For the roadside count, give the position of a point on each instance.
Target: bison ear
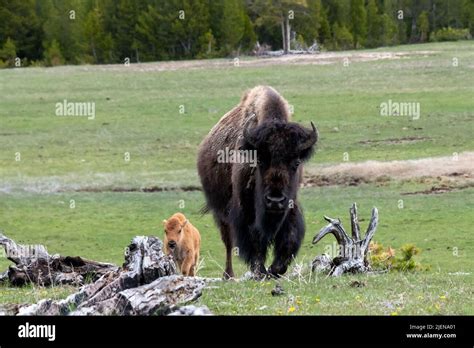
(306, 147)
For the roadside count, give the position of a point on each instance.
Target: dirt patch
(322, 58)
(437, 174)
(444, 170)
(326, 180)
(185, 188)
(395, 141)
(438, 190)
(444, 185)
(432, 190)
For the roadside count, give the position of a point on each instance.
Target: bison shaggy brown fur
(255, 205)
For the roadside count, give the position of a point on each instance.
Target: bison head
(281, 148)
(173, 231)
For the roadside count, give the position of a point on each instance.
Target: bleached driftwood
(159, 297)
(146, 284)
(33, 264)
(191, 311)
(353, 250)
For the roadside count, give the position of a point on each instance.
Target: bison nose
(275, 202)
(171, 244)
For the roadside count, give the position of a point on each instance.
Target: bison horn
(246, 128)
(311, 140)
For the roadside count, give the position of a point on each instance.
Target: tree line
(55, 32)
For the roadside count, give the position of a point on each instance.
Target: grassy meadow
(47, 160)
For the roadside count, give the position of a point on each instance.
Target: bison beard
(256, 207)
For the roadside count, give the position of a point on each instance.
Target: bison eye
(296, 164)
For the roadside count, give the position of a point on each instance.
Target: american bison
(254, 203)
(183, 241)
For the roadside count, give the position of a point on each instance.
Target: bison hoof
(276, 272)
(228, 275)
(250, 275)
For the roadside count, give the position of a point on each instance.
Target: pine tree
(359, 22)
(308, 25)
(343, 39)
(8, 54)
(190, 21)
(423, 26)
(469, 15)
(125, 32)
(98, 42)
(231, 26)
(389, 31)
(62, 21)
(372, 24)
(249, 38)
(53, 55)
(153, 34)
(325, 29)
(20, 23)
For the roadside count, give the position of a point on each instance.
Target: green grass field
(72, 158)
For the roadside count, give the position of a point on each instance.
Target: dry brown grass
(447, 169)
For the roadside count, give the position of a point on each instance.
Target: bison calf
(182, 240)
(250, 170)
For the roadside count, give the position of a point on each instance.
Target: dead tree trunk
(283, 36)
(33, 264)
(146, 284)
(353, 250)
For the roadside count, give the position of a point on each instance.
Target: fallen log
(33, 264)
(353, 251)
(146, 284)
(159, 297)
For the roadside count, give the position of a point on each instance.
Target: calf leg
(187, 267)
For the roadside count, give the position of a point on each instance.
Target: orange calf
(182, 241)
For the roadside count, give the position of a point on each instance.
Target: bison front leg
(251, 242)
(287, 243)
(253, 249)
(257, 265)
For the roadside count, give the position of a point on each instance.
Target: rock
(278, 290)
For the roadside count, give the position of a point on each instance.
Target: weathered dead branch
(146, 284)
(352, 256)
(33, 264)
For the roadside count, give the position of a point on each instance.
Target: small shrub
(37, 63)
(450, 34)
(402, 260)
(53, 55)
(8, 54)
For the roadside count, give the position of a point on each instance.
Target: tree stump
(352, 256)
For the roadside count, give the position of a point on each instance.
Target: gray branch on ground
(353, 251)
(146, 284)
(33, 264)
